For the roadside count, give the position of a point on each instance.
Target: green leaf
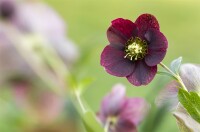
(90, 122)
(84, 83)
(175, 65)
(166, 74)
(191, 102)
(79, 86)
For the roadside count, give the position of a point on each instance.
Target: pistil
(135, 49)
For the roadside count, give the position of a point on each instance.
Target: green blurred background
(88, 21)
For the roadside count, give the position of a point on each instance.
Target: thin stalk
(106, 128)
(80, 102)
(178, 78)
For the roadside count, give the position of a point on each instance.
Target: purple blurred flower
(39, 102)
(190, 74)
(12, 63)
(135, 49)
(31, 18)
(119, 113)
(37, 17)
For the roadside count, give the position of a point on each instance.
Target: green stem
(178, 78)
(80, 102)
(106, 128)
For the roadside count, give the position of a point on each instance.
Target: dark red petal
(110, 55)
(116, 38)
(125, 126)
(142, 74)
(156, 40)
(157, 47)
(114, 62)
(125, 27)
(146, 21)
(121, 69)
(154, 57)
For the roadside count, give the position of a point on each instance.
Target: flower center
(111, 123)
(135, 49)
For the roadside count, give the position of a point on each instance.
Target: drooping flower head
(122, 114)
(135, 49)
(190, 74)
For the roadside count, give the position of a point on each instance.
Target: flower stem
(80, 103)
(178, 78)
(106, 128)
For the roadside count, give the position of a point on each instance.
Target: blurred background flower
(121, 114)
(169, 96)
(24, 24)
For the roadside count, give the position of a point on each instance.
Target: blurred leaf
(84, 83)
(175, 65)
(166, 73)
(191, 102)
(184, 121)
(79, 86)
(90, 122)
(182, 126)
(72, 82)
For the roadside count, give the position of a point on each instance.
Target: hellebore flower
(190, 74)
(135, 49)
(122, 114)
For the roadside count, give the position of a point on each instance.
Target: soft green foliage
(191, 102)
(79, 85)
(84, 84)
(90, 122)
(166, 74)
(175, 65)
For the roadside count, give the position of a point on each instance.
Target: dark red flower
(135, 49)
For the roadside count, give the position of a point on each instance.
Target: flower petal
(110, 55)
(116, 38)
(121, 69)
(190, 74)
(126, 27)
(125, 126)
(142, 74)
(134, 109)
(114, 62)
(156, 40)
(157, 47)
(168, 96)
(113, 102)
(145, 22)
